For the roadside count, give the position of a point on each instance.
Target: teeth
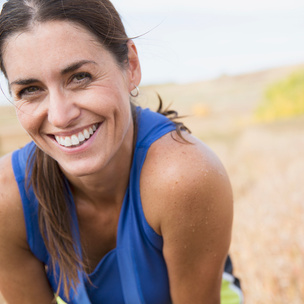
(68, 142)
(76, 139)
(81, 138)
(86, 134)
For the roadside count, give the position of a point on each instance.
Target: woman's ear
(134, 70)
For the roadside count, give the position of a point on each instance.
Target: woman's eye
(82, 76)
(28, 91)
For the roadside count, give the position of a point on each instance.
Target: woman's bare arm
(22, 276)
(191, 207)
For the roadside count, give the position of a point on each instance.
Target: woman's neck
(107, 186)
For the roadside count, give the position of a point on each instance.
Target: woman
(110, 203)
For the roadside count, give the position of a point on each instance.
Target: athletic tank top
(135, 271)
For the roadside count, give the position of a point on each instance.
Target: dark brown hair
(100, 18)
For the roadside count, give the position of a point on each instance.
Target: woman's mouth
(77, 139)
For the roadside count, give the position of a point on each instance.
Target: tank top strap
(151, 126)
(20, 159)
(137, 241)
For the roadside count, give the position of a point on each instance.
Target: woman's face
(70, 94)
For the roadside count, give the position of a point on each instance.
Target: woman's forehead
(50, 43)
(49, 29)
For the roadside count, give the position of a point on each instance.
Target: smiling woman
(107, 196)
(67, 95)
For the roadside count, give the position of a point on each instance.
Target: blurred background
(195, 40)
(236, 70)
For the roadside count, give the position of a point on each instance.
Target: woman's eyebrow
(71, 68)
(24, 81)
(75, 66)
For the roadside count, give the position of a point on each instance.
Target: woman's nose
(62, 111)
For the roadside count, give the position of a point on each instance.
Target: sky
(194, 40)
(216, 5)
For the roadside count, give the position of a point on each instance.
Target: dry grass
(265, 164)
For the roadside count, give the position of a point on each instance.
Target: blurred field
(265, 163)
(283, 99)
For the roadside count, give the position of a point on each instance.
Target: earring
(136, 93)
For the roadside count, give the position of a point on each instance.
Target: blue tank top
(135, 271)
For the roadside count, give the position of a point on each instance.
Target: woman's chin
(78, 170)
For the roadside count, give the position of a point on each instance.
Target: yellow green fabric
(60, 301)
(230, 294)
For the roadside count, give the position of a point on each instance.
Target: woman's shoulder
(172, 159)
(178, 175)
(19, 268)
(11, 213)
(8, 186)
